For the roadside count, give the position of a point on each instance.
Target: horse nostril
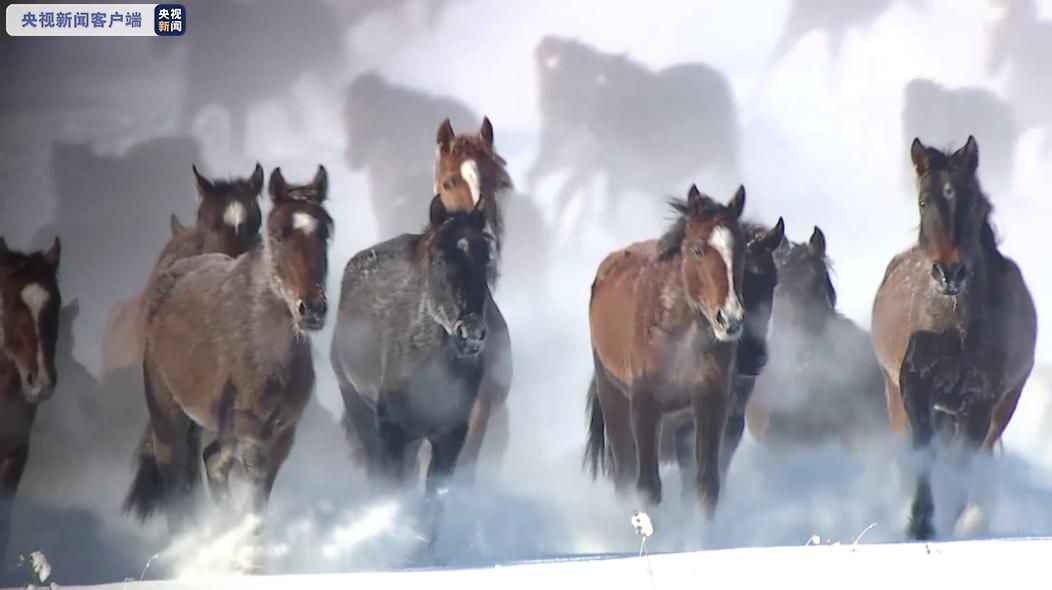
(301, 308)
(936, 272)
(322, 307)
(482, 333)
(721, 318)
(31, 378)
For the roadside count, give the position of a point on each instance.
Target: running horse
(470, 175)
(954, 325)
(228, 221)
(29, 315)
(409, 346)
(665, 318)
(227, 350)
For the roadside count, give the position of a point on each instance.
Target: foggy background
(97, 137)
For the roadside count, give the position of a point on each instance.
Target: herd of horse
(717, 325)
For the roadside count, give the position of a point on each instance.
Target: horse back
(122, 343)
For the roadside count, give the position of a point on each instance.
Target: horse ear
(321, 183)
(277, 187)
(486, 131)
(204, 186)
(737, 204)
(445, 135)
(693, 194)
(774, 236)
(817, 243)
(54, 253)
(968, 156)
(257, 179)
(919, 155)
(177, 226)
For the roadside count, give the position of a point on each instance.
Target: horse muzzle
(469, 336)
(312, 313)
(728, 327)
(949, 278)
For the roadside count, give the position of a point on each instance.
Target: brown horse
(665, 319)
(758, 288)
(227, 351)
(823, 381)
(228, 221)
(954, 326)
(29, 314)
(469, 175)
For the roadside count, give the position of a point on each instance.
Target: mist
(97, 138)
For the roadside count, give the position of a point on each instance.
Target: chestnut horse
(29, 314)
(228, 221)
(227, 351)
(823, 381)
(665, 318)
(469, 175)
(954, 325)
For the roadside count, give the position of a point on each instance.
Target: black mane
(672, 240)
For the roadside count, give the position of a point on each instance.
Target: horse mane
(788, 251)
(672, 240)
(438, 236)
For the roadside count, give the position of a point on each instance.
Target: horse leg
(916, 397)
(615, 409)
(646, 420)
(710, 418)
(359, 424)
(262, 461)
(219, 458)
(686, 461)
(893, 400)
(1001, 415)
(394, 440)
(735, 428)
(175, 442)
(11, 469)
(445, 451)
(493, 389)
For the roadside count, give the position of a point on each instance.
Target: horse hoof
(921, 530)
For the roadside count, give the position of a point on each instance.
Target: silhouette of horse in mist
(835, 19)
(1020, 44)
(599, 117)
(954, 325)
(823, 381)
(105, 262)
(665, 318)
(228, 352)
(228, 222)
(235, 48)
(939, 113)
(390, 139)
(409, 345)
(29, 314)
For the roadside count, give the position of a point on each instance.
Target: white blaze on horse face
(36, 297)
(234, 215)
(722, 240)
(305, 222)
(948, 192)
(469, 171)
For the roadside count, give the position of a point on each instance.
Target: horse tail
(147, 492)
(595, 453)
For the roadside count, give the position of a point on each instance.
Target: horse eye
(923, 202)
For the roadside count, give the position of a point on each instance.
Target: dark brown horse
(227, 351)
(469, 175)
(228, 222)
(954, 326)
(29, 314)
(823, 381)
(665, 319)
(410, 340)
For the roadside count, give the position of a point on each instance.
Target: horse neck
(256, 268)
